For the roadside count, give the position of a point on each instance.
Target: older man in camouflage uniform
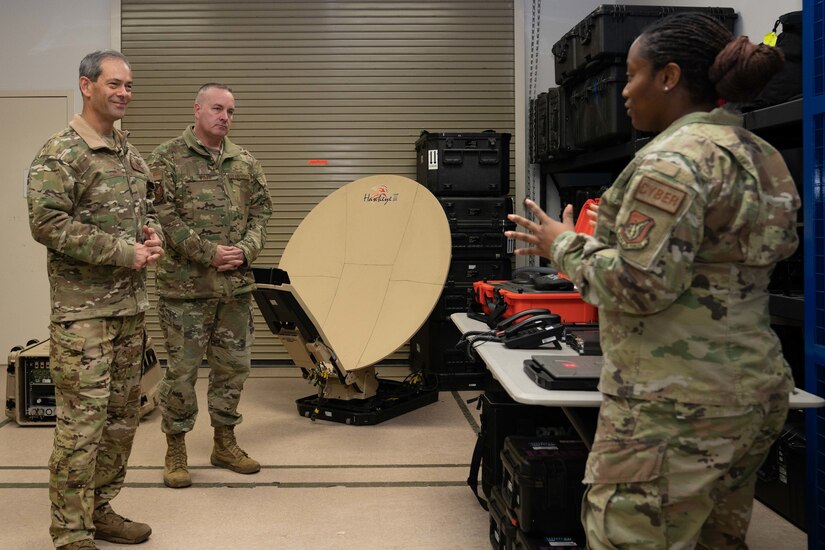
(89, 199)
(696, 386)
(214, 204)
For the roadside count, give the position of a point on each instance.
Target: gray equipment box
(30, 399)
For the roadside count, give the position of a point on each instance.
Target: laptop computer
(554, 372)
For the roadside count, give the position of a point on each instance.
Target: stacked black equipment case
(502, 530)
(464, 164)
(780, 482)
(542, 484)
(502, 417)
(470, 175)
(586, 110)
(551, 129)
(530, 462)
(607, 32)
(538, 503)
(526, 542)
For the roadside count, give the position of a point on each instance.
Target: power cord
(470, 340)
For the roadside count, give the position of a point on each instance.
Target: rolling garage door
(326, 91)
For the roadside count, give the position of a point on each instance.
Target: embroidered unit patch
(633, 234)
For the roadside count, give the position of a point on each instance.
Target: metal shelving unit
(813, 127)
(776, 122)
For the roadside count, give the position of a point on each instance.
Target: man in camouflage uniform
(213, 202)
(89, 197)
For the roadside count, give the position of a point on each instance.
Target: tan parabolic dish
(370, 261)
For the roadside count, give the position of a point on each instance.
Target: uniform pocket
(64, 338)
(627, 461)
(65, 356)
(622, 506)
(203, 199)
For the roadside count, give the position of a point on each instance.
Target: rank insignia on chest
(634, 232)
(155, 191)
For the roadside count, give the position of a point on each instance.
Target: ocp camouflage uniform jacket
(201, 203)
(88, 204)
(679, 266)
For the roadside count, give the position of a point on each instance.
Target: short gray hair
(90, 65)
(209, 86)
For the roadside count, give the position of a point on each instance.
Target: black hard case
(551, 128)
(502, 417)
(432, 349)
(542, 483)
(598, 114)
(454, 299)
(564, 56)
(609, 30)
(560, 143)
(464, 163)
(780, 483)
(465, 272)
(477, 226)
(502, 530)
(393, 398)
(477, 212)
(540, 127)
(481, 244)
(535, 542)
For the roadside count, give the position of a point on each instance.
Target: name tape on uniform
(660, 194)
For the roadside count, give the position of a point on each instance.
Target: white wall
(43, 42)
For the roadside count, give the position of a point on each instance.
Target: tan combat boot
(85, 544)
(113, 527)
(227, 454)
(175, 472)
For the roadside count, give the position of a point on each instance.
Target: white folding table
(507, 366)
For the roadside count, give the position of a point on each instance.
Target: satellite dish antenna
(366, 267)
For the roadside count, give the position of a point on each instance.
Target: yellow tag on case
(770, 39)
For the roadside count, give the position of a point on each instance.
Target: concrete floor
(323, 485)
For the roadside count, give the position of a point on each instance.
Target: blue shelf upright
(814, 236)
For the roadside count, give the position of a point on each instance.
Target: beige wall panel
(28, 121)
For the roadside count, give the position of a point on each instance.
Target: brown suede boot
(113, 527)
(227, 454)
(175, 472)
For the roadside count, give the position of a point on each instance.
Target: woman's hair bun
(742, 69)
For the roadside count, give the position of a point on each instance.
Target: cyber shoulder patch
(633, 234)
(659, 194)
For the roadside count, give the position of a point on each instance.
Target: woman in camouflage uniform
(695, 385)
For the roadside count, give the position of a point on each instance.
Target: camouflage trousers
(95, 365)
(220, 328)
(675, 476)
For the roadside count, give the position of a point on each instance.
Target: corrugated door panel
(350, 84)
